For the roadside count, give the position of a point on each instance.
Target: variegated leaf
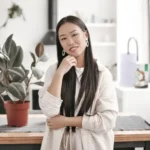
(2, 64)
(34, 60)
(7, 46)
(12, 53)
(13, 98)
(40, 83)
(37, 73)
(17, 74)
(2, 88)
(43, 58)
(18, 57)
(17, 90)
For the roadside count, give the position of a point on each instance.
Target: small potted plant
(13, 12)
(15, 80)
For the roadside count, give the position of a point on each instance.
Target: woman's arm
(50, 95)
(74, 121)
(106, 110)
(60, 121)
(66, 64)
(55, 87)
(49, 104)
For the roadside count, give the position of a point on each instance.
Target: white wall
(26, 33)
(132, 21)
(102, 9)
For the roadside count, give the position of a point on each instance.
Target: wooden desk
(124, 140)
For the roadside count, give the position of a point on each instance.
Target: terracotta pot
(17, 114)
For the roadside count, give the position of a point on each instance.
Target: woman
(78, 96)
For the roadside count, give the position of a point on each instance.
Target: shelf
(103, 44)
(101, 24)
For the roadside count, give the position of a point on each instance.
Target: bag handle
(137, 49)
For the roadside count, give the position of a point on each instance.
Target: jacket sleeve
(49, 104)
(106, 108)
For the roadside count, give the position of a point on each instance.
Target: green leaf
(43, 58)
(34, 60)
(26, 74)
(4, 59)
(2, 64)
(17, 74)
(1, 75)
(25, 70)
(12, 53)
(4, 79)
(13, 98)
(15, 54)
(4, 56)
(40, 83)
(18, 57)
(7, 45)
(37, 73)
(17, 90)
(2, 88)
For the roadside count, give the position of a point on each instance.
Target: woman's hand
(66, 64)
(56, 122)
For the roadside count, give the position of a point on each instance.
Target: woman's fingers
(48, 120)
(66, 64)
(72, 61)
(70, 57)
(50, 125)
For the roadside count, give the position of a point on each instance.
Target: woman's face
(72, 39)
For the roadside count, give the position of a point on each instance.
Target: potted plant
(15, 80)
(13, 12)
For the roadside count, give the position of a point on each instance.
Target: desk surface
(36, 138)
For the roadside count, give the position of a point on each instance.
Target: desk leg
(147, 145)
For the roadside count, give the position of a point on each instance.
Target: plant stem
(30, 77)
(28, 84)
(29, 80)
(1, 97)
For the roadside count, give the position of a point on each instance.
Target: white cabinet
(103, 39)
(133, 100)
(106, 36)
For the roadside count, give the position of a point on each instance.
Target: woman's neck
(80, 62)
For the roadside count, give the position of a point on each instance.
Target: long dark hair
(89, 79)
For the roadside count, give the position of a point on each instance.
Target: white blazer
(97, 130)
